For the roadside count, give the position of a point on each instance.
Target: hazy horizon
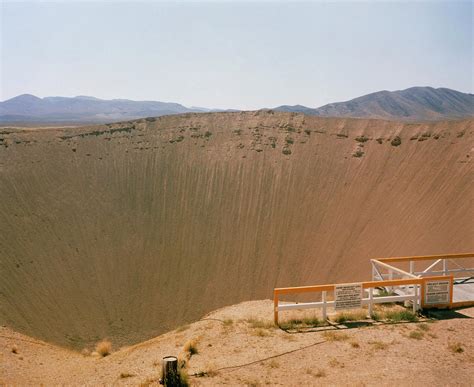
(242, 55)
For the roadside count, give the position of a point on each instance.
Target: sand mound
(128, 230)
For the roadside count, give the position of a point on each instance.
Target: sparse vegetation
(286, 151)
(257, 323)
(456, 347)
(396, 141)
(342, 135)
(358, 153)
(14, 349)
(460, 134)
(355, 344)
(417, 335)
(191, 348)
(400, 315)
(361, 138)
(335, 336)
(380, 140)
(379, 345)
(345, 316)
(289, 140)
(207, 134)
(308, 132)
(104, 348)
(274, 364)
(125, 375)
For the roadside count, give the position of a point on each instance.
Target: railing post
(415, 300)
(371, 297)
(275, 306)
(412, 267)
(445, 267)
(390, 277)
(324, 306)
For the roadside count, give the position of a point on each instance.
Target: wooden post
(325, 315)
(371, 298)
(275, 307)
(170, 377)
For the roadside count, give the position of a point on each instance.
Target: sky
(229, 54)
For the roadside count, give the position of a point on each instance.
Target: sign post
(348, 296)
(437, 292)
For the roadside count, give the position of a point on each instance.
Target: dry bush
(379, 344)
(417, 335)
(191, 348)
(104, 348)
(14, 349)
(228, 322)
(423, 327)
(274, 364)
(125, 375)
(257, 323)
(456, 347)
(335, 336)
(355, 344)
(261, 332)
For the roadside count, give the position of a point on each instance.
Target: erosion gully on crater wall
(127, 230)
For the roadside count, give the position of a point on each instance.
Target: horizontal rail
(365, 285)
(426, 257)
(365, 301)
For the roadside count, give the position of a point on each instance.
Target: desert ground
(126, 231)
(238, 345)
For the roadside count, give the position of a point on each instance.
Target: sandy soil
(126, 231)
(232, 351)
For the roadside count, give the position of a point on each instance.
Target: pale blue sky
(243, 55)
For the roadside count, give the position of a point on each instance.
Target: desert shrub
(380, 140)
(342, 135)
(238, 132)
(104, 348)
(426, 135)
(355, 344)
(460, 134)
(417, 335)
(228, 322)
(415, 137)
(257, 323)
(286, 151)
(358, 153)
(361, 138)
(207, 134)
(308, 132)
(456, 347)
(150, 119)
(423, 327)
(14, 349)
(396, 141)
(191, 347)
(125, 375)
(335, 336)
(378, 344)
(289, 140)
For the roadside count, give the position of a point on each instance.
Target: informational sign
(348, 296)
(437, 292)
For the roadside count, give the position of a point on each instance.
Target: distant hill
(416, 103)
(28, 108)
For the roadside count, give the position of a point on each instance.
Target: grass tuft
(417, 335)
(191, 348)
(335, 336)
(456, 347)
(104, 348)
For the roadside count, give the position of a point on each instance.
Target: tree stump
(170, 377)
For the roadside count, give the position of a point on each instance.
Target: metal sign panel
(437, 292)
(348, 296)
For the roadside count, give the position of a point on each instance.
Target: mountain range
(413, 104)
